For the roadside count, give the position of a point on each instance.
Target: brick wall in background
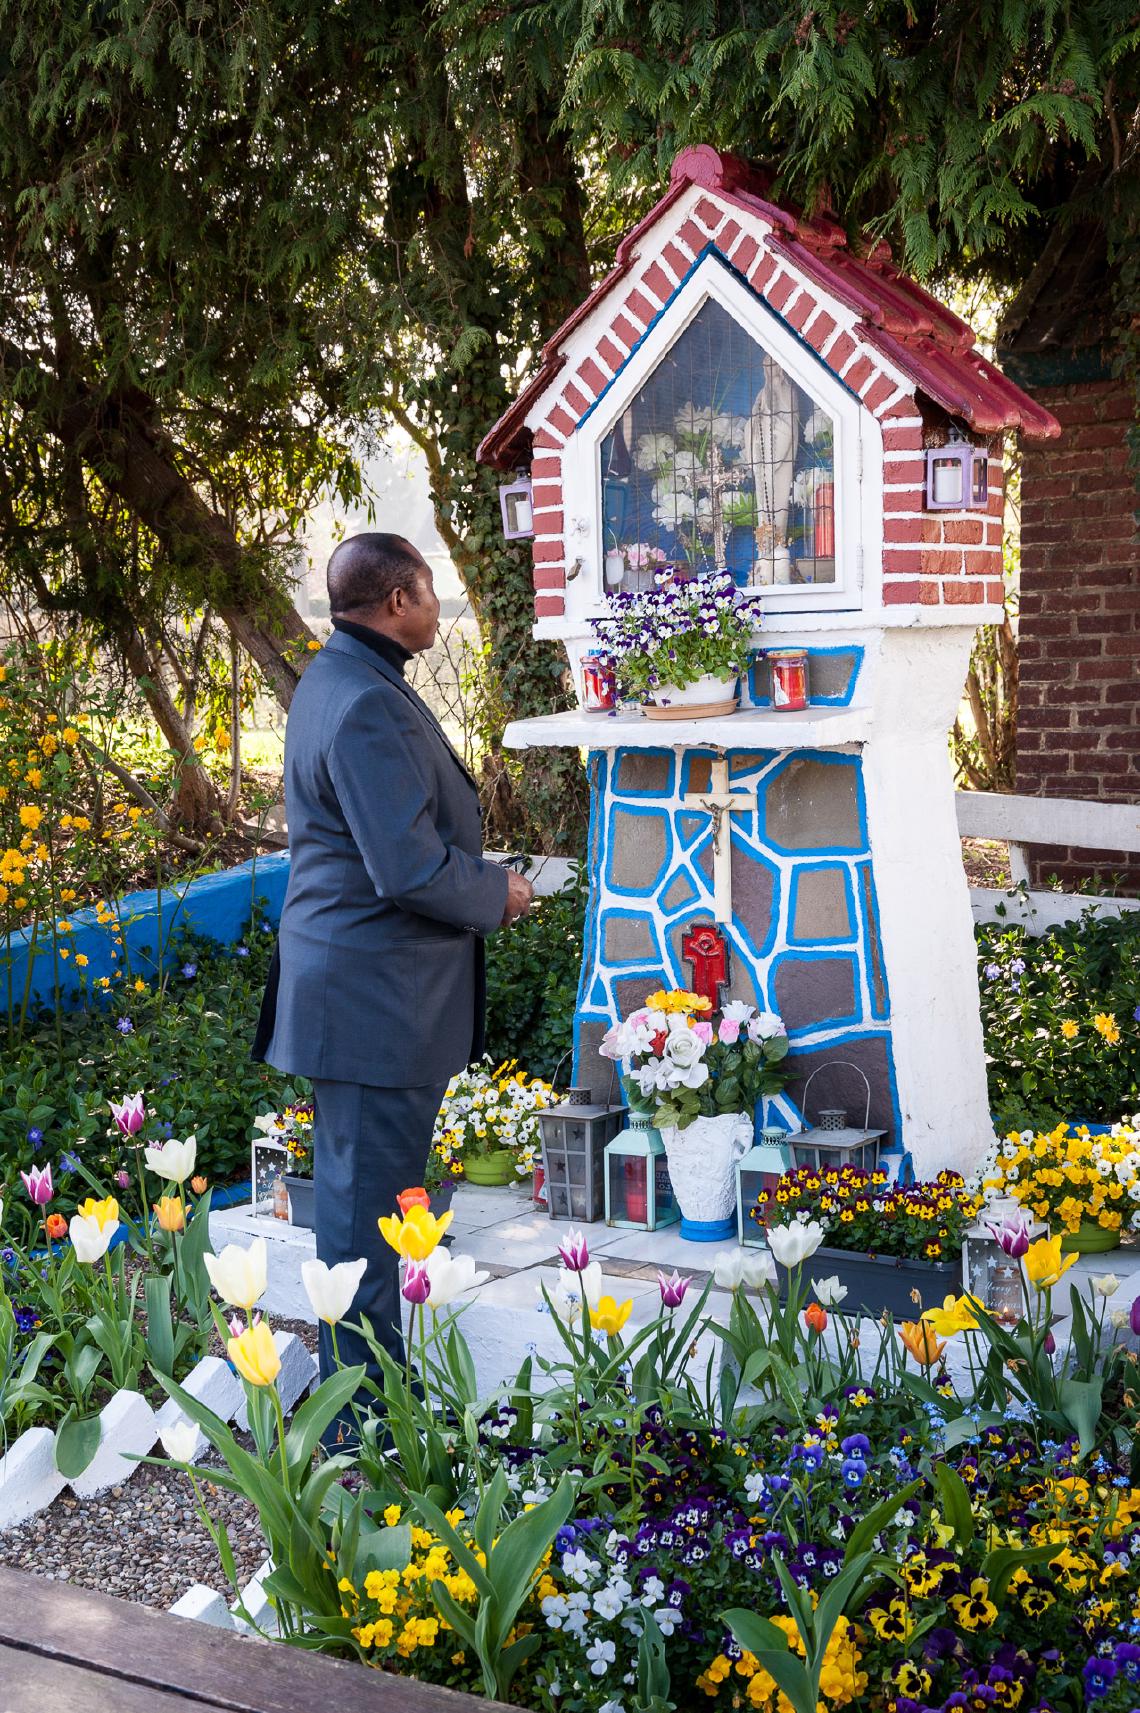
(1078, 732)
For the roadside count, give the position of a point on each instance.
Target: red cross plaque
(704, 947)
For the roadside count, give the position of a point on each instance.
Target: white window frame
(858, 451)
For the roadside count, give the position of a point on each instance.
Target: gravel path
(143, 1541)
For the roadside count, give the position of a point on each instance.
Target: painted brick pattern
(1078, 730)
(929, 558)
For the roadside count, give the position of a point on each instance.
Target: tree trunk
(196, 805)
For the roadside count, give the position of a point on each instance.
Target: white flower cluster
(486, 1109)
(603, 1600)
(666, 1050)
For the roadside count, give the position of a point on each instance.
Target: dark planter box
(300, 1200)
(878, 1282)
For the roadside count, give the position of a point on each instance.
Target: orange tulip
(815, 1316)
(922, 1341)
(170, 1214)
(199, 1185)
(56, 1226)
(417, 1197)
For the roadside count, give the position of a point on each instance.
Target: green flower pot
(1089, 1239)
(489, 1169)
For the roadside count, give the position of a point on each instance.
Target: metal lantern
(639, 1192)
(957, 475)
(998, 1280)
(757, 1172)
(516, 502)
(825, 1146)
(268, 1164)
(574, 1137)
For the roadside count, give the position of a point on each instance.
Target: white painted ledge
(749, 728)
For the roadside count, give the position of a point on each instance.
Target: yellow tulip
(170, 1214)
(922, 1341)
(417, 1234)
(254, 1355)
(955, 1315)
(609, 1316)
(1045, 1264)
(105, 1212)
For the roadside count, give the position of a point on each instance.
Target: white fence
(1045, 821)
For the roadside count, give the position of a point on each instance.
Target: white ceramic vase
(702, 1168)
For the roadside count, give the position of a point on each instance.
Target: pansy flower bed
(863, 1211)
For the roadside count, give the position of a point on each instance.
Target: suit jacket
(380, 971)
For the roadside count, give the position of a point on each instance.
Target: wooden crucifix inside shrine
(721, 803)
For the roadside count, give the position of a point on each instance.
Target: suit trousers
(368, 1145)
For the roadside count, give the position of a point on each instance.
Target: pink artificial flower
(575, 1251)
(703, 1030)
(416, 1287)
(672, 1290)
(38, 1185)
(130, 1114)
(729, 1031)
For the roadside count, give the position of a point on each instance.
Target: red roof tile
(894, 314)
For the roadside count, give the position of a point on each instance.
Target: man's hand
(520, 896)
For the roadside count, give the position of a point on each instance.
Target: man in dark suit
(379, 994)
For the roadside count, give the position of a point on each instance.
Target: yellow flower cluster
(677, 999)
(487, 1110)
(841, 1682)
(1066, 1175)
(394, 1613)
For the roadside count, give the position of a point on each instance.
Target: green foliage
(1029, 988)
(532, 982)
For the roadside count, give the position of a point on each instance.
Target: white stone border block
(211, 1382)
(127, 1426)
(298, 1374)
(29, 1479)
(205, 1606)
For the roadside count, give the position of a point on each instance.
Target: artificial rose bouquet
(684, 1061)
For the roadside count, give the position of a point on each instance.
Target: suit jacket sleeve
(385, 795)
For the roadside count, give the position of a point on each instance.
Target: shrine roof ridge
(896, 315)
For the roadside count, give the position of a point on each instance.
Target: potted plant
(487, 1129)
(697, 1075)
(681, 645)
(891, 1246)
(1085, 1184)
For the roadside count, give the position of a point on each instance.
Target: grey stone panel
(822, 906)
(813, 806)
(874, 944)
(753, 893)
(640, 847)
(644, 771)
(838, 1087)
(829, 675)
(810, 992)
(628, 940)
(591, 1070)
(679, 891)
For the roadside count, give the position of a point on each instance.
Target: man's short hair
(366, 569)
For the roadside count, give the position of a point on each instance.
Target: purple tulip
(417, 1285)
(123, 1179)
(672, 1290)
(38, 1185)
(1050, 1344)
(575, 1251)
(1134, 1317)
(130, 1114)
(1012, 1235)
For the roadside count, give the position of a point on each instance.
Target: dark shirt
(385, 646)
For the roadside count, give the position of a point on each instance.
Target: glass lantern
(998, 1280)
(831, 1143)
(757, 1173)
(639, 1192)
(957, 476)
(574, 1137)
(268, 1163)
(516, 503)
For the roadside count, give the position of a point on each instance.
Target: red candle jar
(599, 684)
(789, 679)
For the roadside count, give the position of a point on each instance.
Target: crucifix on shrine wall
(721, 804)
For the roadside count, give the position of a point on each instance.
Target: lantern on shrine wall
(268, 1164)
(516, 503)
(957, 476)
(993, 1266)
(831, 1143)
(639, 1193)
(574, 1137)
(757, 1174)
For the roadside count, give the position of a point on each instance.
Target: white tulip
(829, 1292)
(173, 1160)
(759, 1268)
(450, 1276)
(89, 1239)
(331, 1290)
(1107, 1285)
(179, 1440)
(793, 1244)
(240, 1276)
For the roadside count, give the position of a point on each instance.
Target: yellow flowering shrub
(1066, 1175)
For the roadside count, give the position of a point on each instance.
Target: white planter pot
(702, 1167)
(708, 689)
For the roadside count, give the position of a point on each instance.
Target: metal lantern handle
(613, 1073)
(829, 1064)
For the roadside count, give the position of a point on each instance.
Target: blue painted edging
(215, 905)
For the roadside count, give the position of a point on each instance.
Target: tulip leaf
(159, 1323)
(315, 1414)
(76, 1442)
(863, 1534)
(386, 1548)
(964, 1428)
(955, 1502)
(997, 1567)
(1080, 1402)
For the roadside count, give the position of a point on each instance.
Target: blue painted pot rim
(707, 1230)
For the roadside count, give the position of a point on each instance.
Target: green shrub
(532, 983)
(1040, 1071)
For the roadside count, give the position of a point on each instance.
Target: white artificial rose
(737, 1010)
(765, 1026)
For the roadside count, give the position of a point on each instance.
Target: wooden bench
(71, 1651)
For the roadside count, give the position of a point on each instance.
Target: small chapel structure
(746, 391)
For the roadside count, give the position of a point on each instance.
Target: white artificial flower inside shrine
(748, 396)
